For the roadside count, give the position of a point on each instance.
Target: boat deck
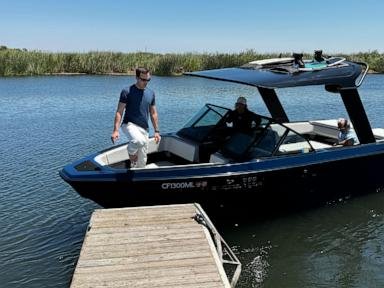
(157, 246)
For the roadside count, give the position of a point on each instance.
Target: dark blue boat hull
(273, 185)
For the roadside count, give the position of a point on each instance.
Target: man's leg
(142, 152)
(138, 144)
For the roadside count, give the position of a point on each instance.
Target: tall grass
(374, 59)
(15, 62)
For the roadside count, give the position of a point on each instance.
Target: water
(47, 122)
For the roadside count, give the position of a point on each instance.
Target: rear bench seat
(329, 128)
(378, 133)
(302, 146)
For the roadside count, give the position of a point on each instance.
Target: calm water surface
(47, 122)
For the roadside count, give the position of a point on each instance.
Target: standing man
(138, 102)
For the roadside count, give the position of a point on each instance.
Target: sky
(198, 26)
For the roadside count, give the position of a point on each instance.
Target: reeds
(17, 62)
(374, 59)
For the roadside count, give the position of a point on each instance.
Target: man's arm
(118, 117)
(155, 122)
(347, 142)
(229, 117)
(256, 119)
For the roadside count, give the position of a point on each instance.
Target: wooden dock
(156, 246)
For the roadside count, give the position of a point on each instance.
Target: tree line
(21, 62)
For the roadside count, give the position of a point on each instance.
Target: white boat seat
(327, 128)
(302, 147)
(318, 145)
(378, 133)
(180, 147)
(159, 164)
(218, 158)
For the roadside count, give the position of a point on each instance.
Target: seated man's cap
(241, 100)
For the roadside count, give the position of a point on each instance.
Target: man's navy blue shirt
(137, 103)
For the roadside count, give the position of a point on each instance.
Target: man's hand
(114, 136)
(157, 137)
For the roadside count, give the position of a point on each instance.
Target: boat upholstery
(121, 153)
(319, 145)
(329, 128)
(180, 147)
(159, 164)
(302, 147)
(113, 156)
(378, 133)
(300, 127)
(218, 158)
(326, 128)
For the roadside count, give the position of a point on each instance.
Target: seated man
(241, 118)
(346, 137)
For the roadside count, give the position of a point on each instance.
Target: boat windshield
(265, 141)
(200, 126)
(267, 138)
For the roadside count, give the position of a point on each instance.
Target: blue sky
(193, 26)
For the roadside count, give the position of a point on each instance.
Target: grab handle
(363, 73)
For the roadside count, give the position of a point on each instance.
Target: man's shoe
(133, 158)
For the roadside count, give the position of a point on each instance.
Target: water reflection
(340, 245)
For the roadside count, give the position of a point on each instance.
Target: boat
(278, 164)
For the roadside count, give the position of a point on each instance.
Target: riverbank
(16, 62)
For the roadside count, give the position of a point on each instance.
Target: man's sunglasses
(145, 80)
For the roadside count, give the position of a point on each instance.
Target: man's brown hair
(141, 70)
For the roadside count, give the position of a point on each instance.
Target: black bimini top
(284, 74)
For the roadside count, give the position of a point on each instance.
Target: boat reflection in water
(277, 164)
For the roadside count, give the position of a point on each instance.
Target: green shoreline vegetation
(21, 62)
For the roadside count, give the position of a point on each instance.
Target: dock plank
(156, 246)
